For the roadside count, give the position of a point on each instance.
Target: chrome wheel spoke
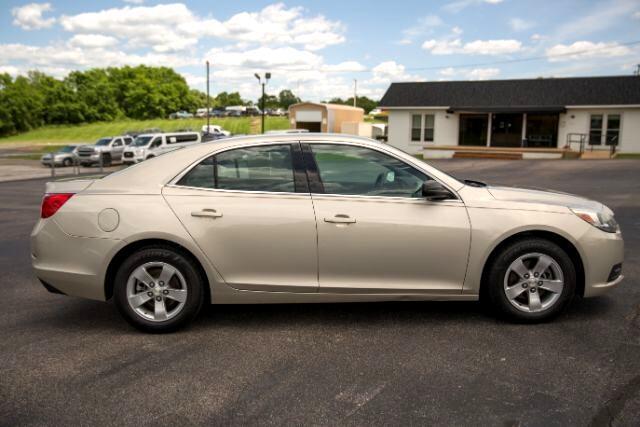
(166, 274)
(534, 301)
(543, 263)
(515, 291)
(138, 299)
(554, 286)
(160, 309)
(179, 295)
(520, 269)
(142, 276)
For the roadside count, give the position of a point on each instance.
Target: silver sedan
(316, 218)
(66, 156)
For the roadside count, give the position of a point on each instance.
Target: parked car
(316, 218)
(216, 130)
(109, 149)
(375, 112)
(152, 145)
(66, 156)
(201, 112)
(181, 115)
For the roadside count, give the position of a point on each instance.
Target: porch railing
(583, 140)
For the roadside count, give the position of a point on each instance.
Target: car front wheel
(531, 280)
(158, 289)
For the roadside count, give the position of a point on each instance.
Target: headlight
(140, 151)
(602, 220)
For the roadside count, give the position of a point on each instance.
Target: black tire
(67, 162)
(106, 159)
(150, 157)
(194, 284)
(495, 279)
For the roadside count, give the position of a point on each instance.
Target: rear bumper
(71, 265)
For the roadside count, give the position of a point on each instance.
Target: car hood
(541, 196)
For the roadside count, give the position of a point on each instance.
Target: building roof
(328, 106)
(526, 94)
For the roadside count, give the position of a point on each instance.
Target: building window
(613, 129)
(416, 127)
(429, 120)
(422, 127)
(595, 129)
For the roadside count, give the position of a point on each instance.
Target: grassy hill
(88, 133)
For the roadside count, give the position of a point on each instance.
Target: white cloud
(474, 74)
(476, 47)
(483, 73)
(519, 24)
(585, 50)
(174, 27)
(134, 1)
(29, 16)
(92, 41)
(602, 16)
(9, 69)
(458, 5)
(636, 15)
(425, 25)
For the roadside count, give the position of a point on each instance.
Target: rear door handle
(207, 213)
(341, 219)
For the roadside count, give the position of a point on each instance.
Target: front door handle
(207, 213)
(341, 219)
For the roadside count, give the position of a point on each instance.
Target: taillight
(52, 202)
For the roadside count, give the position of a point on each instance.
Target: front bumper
(601, 252)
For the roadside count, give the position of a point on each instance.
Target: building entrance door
(506, 130)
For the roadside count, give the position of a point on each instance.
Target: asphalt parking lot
(71, 361)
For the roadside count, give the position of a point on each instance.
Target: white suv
(151, 145)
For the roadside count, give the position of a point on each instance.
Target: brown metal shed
(317, 117)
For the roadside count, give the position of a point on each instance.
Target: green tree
(224, 99)
(287, 98)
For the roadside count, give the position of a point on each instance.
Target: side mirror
(433, 190)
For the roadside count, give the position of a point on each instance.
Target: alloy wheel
(156, 291)
(533, 282)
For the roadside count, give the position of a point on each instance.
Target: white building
(534, 115)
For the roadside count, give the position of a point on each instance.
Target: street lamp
(267, 76)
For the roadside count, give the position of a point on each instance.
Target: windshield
(103, 141)
(67, 149)
(141, 141)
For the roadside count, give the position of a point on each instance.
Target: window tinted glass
(264, 168)
(362, 171)
(416, 124)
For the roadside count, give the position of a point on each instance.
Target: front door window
(542, 130)
(360, 171)
(473, 129)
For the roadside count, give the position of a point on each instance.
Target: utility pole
(355, 91)
(208, 111)
(267, 76)
(637, 71)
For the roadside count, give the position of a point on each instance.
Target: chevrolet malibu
(315, 218)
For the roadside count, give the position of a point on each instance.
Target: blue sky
(317, 48)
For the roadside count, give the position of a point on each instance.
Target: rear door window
(263, 168)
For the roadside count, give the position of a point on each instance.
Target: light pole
(267, 76)
(208, 110)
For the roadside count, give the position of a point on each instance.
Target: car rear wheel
(158, 289)
(531, 280)
(67, 162)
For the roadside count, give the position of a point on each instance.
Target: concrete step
(593, 155)
(487, 155)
